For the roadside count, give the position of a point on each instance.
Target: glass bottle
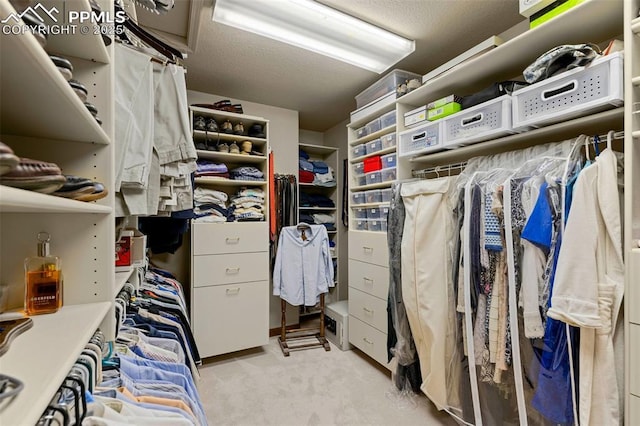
(43, 280)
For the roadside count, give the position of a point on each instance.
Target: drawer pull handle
(367, 280)
(235, 240)
(367, 341)
(233, 270)
(367, 310)
(369, 249)
(469, 121)
(233, 290)
(418, 136)
(572, 86)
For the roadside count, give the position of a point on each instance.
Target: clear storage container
(388, 140)
(373, 196)
(388, 119)
(373, 213)
(375, 225)
(361, 132)
(360, 213)
(384, 212)
(361, 225)
(358, 150)
(388, 174)
(358, 168)
(385, 195)
(384, 86)
(373, 126)
(360, 180)
(373, 146)
(374, 177)
(383, 225)
(358, 198)
(388, 160)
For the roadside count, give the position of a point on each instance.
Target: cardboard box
(443, 101)
(415, 116)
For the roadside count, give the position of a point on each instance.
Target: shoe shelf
(121, 279)
(373, 154)
(86, 46)
(37, 100)
(372, 186)
(375, 135)
(230, 158)
(228, 182)
(14, 200)
(247, 120)
(42, 356)
(215, 136)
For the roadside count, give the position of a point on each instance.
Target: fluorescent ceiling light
(313, 26)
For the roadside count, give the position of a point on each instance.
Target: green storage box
(443, 111)
(551, 11)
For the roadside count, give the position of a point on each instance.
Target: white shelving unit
(42, 118)
(329, 155)
(230, 261)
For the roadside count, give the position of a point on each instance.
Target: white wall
(310, 137)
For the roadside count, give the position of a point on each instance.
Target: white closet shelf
(230, 158)
(317, 149)
(42, 356)
(510, 58)
(37, 100)
(367, 205)
(229, 182)
(313, 185)
(364, 115)
(86, 46)
(635, 25)
(121, 278)
(214, 136)
(13, 200)
(323, 209)
(606, 120)
(381, 152)
(247, 120)
(636, 134)
(636, 81)
(372, 186)
(375, 135)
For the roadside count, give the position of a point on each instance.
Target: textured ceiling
(241, 65)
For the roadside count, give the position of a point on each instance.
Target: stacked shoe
(81, 189)
(94, 111)
(34, 175)
(224, 105)
(8, 160)
(36, 26)
(199, 123)
(256, 131)
(64, 66)
(79, 90)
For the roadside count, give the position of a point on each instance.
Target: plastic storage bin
(384, 212)
(372, 164)
(360, 213)
(358, 198)
(421, 139)
(385, 195)
(482, 122)
(574, 93)
(373, 213)
(374, 177)
(388, 174)
(375, 225)
(388, 160)
(388, 140)
(373, 196)
(358, 150)
(373, 126)
(373, 146)
(361, 132)
(357, 168)
(360, 180)
(383, 225)
(388, 119)
(362, 225)
(384, 86)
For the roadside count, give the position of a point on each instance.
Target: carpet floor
(310, 387)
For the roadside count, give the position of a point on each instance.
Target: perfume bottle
(43, 280)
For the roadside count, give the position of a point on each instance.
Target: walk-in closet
(323, 212)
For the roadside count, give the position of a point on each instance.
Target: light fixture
(316, 27)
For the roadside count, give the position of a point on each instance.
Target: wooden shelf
(389, 150)
(510, 58)
(14, 200)
(229, 182)
(42, 356)
(226, 157)
(374, 135)
(595, 123)
(214, 136)
(37, 100)
(317, 149)
(372, 186)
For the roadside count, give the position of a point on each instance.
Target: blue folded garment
(320, 167)
(303, 154)
(305, 165)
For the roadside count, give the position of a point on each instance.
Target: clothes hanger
(610, 135)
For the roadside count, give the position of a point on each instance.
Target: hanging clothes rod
(603, 138)
(437, 170)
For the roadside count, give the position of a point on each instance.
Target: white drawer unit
(369, 309)
(369, 340)
(217, 269)
(369, 247)
(574, 93)
(372, 279)
(231, 317)
(421, 140)
(220, 238)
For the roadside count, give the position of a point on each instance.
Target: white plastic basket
(482, 122)
(421, 139)
(574, 93)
